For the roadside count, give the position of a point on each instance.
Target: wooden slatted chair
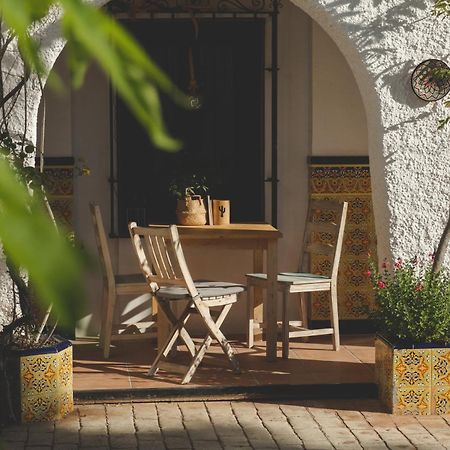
(114, 286)
(161, 258)
(326, 219)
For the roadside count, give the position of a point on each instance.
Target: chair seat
(130, 278)
(206, 289)
(293, 278)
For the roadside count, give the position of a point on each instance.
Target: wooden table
(261, 238)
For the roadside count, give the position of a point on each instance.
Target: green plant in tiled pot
(412, 347)
(35, 364)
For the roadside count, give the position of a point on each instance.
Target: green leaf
(132, 72)
(33, 243)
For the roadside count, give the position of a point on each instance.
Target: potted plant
(412, 347)
(189, 191)
(35, 364)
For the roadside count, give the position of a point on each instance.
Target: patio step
(228, 393)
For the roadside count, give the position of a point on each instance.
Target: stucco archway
(382, 41)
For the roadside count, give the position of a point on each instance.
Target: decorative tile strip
(58, 181)
(346, 179)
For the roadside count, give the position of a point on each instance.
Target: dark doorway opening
(223, 140)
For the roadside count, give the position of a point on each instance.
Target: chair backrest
(161, 258)
(324, 233)
(102, 242)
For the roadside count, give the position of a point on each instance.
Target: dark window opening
(223, 140)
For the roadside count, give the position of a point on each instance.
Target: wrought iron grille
(137, 7)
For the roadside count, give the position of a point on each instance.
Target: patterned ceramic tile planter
(41, 382)
(413, 380)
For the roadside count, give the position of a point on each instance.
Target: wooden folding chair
(114, 286)
(324, 235)
(161, 258)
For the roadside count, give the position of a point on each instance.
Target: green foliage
(188, 185)
(413, 302)
(33, 242)
(442, 7)
(91, 34)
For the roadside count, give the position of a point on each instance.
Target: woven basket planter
(191, 211)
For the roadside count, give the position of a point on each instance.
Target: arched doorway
(315, 84)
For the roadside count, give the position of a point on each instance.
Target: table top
(231, 231)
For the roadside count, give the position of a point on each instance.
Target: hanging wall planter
(429, 81)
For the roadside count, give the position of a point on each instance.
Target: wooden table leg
(258, 267)
(271, 301)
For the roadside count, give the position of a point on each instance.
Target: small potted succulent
(189, 191)
(412, 347)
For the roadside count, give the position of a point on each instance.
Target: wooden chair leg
(204, 346)
(218, 335)
(108, 321)
(171, 339)
(335, 317)
(183, 333)
(250, 315)
(285, 325)
(304, 310)
(104, 303)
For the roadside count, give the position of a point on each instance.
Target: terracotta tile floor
(312, 362)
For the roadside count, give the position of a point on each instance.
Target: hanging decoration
(195, 100)
(430, 81)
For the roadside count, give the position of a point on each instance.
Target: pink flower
(381, 284)
(385, 264)
(398, 264)
(419, 287)
(368, 273)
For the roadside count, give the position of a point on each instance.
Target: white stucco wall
(339, 125)
(383, 41)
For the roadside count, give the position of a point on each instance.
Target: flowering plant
(413, 301)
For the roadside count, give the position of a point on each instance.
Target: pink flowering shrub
(413, 302)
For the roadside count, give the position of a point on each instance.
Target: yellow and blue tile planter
(413, 380)
(45, 376)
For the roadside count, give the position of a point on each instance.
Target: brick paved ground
(320, 425)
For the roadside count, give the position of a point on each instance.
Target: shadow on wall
(401, 18)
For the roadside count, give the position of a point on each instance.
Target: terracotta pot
(191, 211)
